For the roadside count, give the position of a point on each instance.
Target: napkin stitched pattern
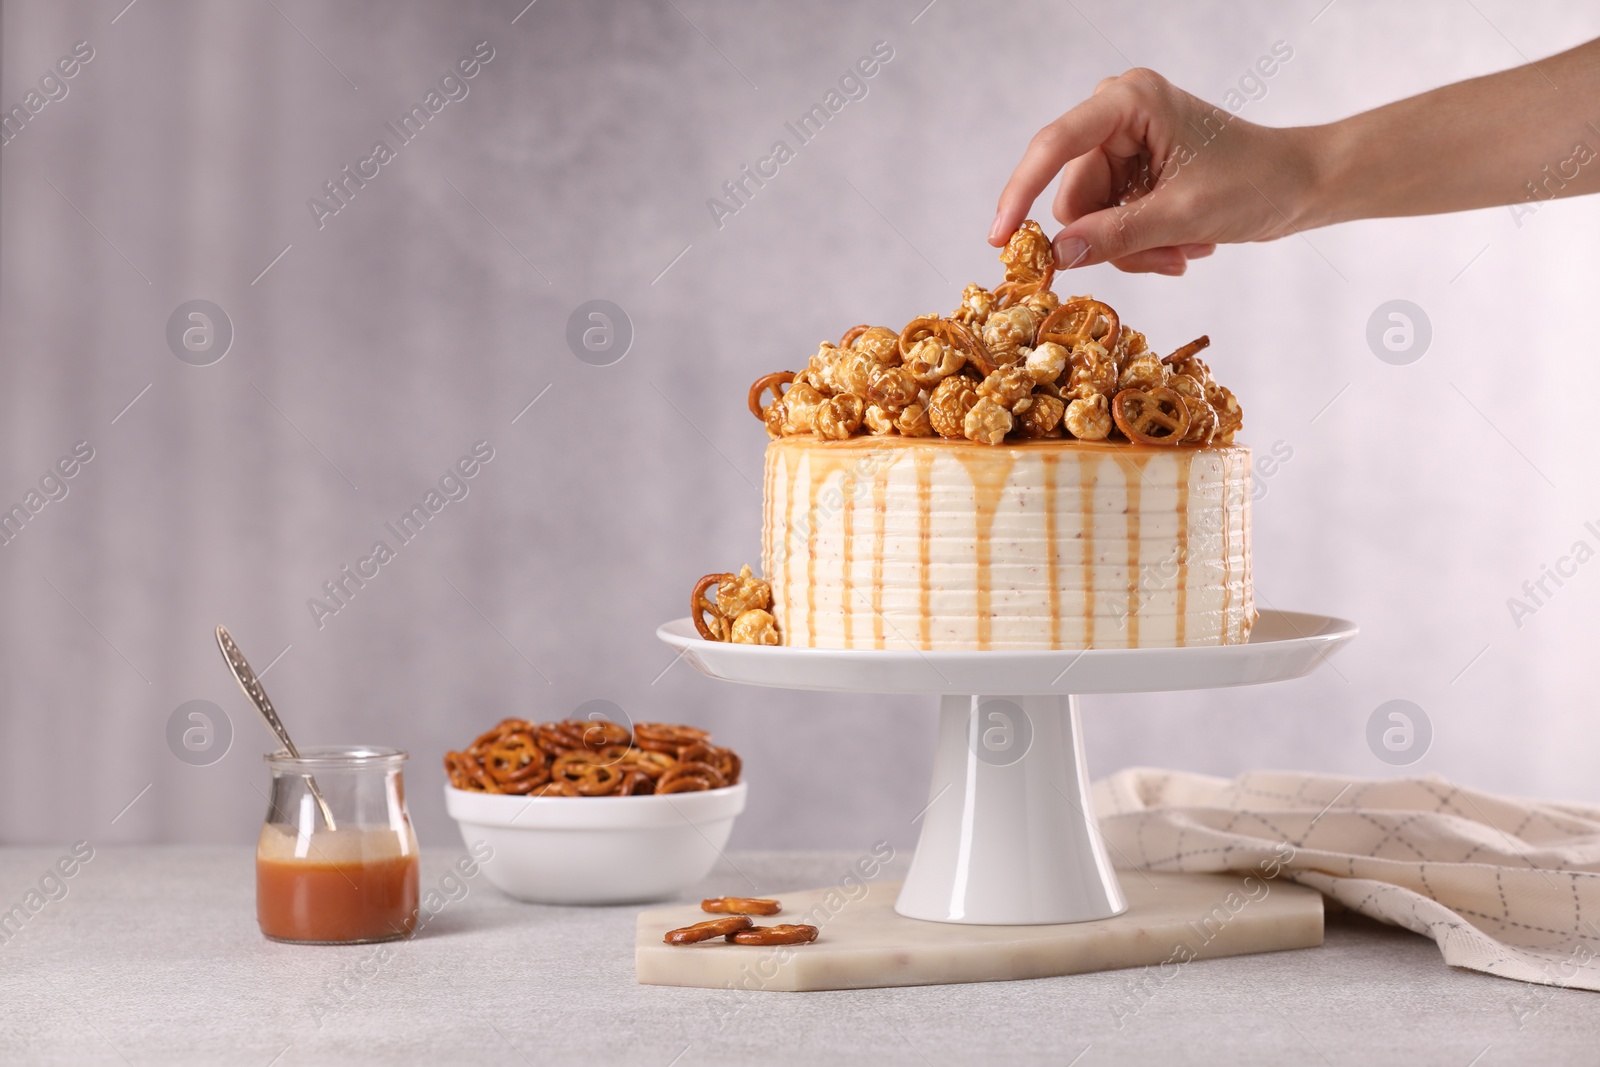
(1505, 886)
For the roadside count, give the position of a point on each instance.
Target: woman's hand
(1152, 177)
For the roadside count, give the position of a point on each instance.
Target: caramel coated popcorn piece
(1131, 344)
(840, 416)
(1009, 330)
(1043, 417)
(853, 373)
(742, 592)
(878, 421)
(1203, 421)
(1045, 363)
(1091, 371)
(1043, 302)
(880, 344)
(1089, 419)
(977, 304)
(822, 366)
(774, 419)
(1142, 372)
(891, 388)
(931, 361)
(755, 627)
(948, 407)
(1010, 387)
(1027, 255)
(800, 405)
(1230, 419)
(914, 421)
(987, 422)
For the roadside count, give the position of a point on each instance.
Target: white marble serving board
(1171, 918)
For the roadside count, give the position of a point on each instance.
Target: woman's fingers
(1115, 234)
(1171, 260)
(1085, 186)
(1086, 126)
(1168, 261)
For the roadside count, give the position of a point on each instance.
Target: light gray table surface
(153, 957)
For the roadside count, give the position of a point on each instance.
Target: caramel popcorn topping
(1015, 362)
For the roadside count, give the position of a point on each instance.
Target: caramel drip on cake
(1227, 565)
(1086, 488)
(1132, 472)
(787, 532)
(989, 475)
(1248, 611)
(811, 549)
(766, 524)
(924, 461)
(880, 510)
(846, 597)
(1185, 467)
(1052, 549)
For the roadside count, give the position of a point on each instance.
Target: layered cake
(1024, 473)
(899, 542)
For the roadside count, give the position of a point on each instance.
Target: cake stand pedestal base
(1008, 836)
(1170, 920)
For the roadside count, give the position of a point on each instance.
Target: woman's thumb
(1116, 233)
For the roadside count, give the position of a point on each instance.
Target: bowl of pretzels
(594, 812)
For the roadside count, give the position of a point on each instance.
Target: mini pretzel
(918, 329)
(557, 738)
(689, 935)
(600, 734)
(725, 761)
(587, 775)
(635, 784)
(516, 760)
(728, 762)
(504, 728)
(968, 343)
(467, 773)
(774, 383)
(1009, 293)
(665, 737)
(650, 764)
(1192, 348)
(741, 906)
(1155, 416)
(699, 604)
(1074, 321)
(667, 782)
(852, 333)
(684, 783)
(782, 934)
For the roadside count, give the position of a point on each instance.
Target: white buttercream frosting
(893, 542)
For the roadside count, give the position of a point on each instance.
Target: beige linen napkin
(1508, 887)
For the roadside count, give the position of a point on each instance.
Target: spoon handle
(246, 677)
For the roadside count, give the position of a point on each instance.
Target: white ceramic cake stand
(1009, 836)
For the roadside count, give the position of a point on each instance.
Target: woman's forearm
(1529, 133)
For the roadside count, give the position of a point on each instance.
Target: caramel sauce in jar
(339, 887)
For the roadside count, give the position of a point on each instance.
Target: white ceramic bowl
(597, 850)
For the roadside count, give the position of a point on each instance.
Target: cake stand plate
(1008, 835)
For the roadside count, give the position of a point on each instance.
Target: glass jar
(351, 882)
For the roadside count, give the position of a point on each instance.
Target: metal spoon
(258, 696)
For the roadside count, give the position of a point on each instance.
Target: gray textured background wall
(372, 351)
